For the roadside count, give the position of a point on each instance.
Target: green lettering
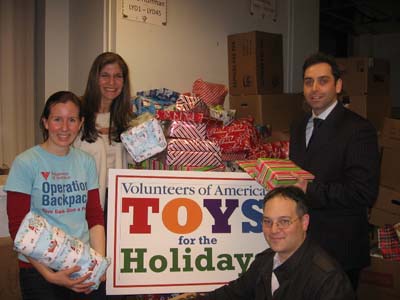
(208, 261)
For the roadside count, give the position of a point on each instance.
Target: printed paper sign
(180, 231)
(146, 11)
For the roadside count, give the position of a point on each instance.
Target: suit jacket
(344, 158)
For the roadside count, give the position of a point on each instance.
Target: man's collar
(326, 112)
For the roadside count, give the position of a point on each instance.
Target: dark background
(343, 20)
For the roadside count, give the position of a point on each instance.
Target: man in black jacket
(340, 148)
(294, 267)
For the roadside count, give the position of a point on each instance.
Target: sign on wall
(174, 232)
(264, 8)
(146, 11)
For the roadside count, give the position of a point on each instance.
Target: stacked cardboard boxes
(387, 207)
(255, 62)
(275, 110)
(366, 87)
(382, 279)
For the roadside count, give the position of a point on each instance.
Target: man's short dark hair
(320, 57)
(290, 192)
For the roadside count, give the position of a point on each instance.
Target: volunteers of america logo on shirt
(55, 175)
(45, 174)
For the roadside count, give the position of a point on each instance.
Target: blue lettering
(252, 214)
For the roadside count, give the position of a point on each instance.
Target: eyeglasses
(283, 223)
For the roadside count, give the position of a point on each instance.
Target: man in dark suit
(340, 148)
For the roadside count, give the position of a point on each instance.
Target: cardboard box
(3, 179)
(388, 200)
(277, 111)
(9, 276)
(390, 135)
(371, 292)
(365, 75)
(390, 168)
(373, 108)
(255, 61)
(381, 217)
(382, 277)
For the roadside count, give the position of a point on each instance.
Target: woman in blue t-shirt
(60, 183)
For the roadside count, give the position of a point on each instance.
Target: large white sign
(177, 231)
(147, 11)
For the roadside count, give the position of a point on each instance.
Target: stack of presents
(195, 130)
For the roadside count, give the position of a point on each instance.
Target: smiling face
(319, 87)
(284, 241)
(63, 125)
(111, 82)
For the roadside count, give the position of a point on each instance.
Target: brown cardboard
(255, 61)
(3, 179)
(390, 168)
(390, 135)
(365, 75)
(388, 200)
(382, 277)
(371, 292)
(9, 282)
(373, 108)
(277, 110)
(381, 217)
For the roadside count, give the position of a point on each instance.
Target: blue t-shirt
(58, 186)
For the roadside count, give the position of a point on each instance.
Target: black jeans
(35, 287)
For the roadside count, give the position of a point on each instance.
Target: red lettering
(140, 218)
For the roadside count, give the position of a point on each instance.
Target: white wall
(86, 23)
(56, 61)
(304, 29)
(192, 45)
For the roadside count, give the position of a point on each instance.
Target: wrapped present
(193, 158)
(219, 113)
(250, 166)
(51, 246)
(144, 140)
(192, 145)
(191, 103)
(239, 136)
(148, 105)
(187, 130)
(211, 93)
(273, 172)
(389, 242)
(278, 149)
(163, 95)
(173, 115)
(233, 156)
(159, 164)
